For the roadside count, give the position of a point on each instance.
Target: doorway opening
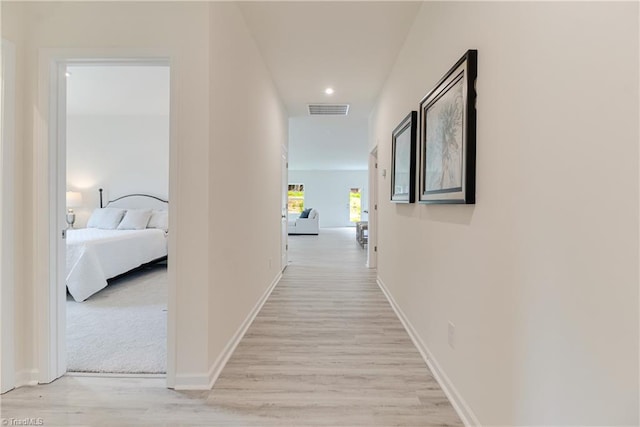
(117, 140)
(117, 184)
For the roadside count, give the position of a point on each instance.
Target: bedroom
(117, 139)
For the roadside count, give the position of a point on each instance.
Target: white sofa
(310, 225)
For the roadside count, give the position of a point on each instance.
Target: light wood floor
(326, 349)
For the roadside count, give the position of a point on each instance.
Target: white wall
(13, 29)
(540, 277)
(328, 143)
(7, 220)
(328, 192)
(122, 154)
(248, 130)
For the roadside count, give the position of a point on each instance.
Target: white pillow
(159, 219)
(135, 219)
(105, 218)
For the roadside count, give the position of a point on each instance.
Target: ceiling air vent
(328, 109)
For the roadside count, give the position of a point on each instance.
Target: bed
(117, 240)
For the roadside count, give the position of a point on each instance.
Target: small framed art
(403, 160)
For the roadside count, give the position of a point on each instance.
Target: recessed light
(329, 91)
(68, 74)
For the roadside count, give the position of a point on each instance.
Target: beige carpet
(123, 328)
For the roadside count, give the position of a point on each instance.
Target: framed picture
(448, 136)
(403, 160)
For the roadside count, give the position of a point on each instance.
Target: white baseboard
(205, 381)
(27, 377)
(192, 382)
(223, 358)
(461, 407)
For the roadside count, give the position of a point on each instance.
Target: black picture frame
(403, 160)
(448, 136)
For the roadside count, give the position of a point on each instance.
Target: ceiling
(349, 46)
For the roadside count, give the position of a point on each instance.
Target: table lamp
(74, 200)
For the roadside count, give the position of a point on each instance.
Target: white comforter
(95, 255)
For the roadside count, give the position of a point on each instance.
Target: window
(295, 200)
(355, 205)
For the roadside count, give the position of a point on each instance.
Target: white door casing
(50, 203)
(51, 164)
(285, 210)
(372, 246)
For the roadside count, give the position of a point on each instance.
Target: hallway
(326, 349)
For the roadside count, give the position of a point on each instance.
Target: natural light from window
(295, 200)
(355, 205)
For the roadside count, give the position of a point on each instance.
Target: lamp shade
(74, 199)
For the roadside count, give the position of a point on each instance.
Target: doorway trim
(372, 245)
(284, 214)
(49, 199)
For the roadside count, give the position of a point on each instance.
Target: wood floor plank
(325, 350)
